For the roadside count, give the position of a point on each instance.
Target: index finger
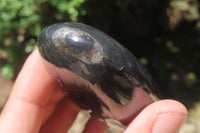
(30, 94)
(33, 83)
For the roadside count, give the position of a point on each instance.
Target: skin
(36, 104)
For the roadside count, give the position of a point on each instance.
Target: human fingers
(62, 117)
(165, 116)
(29, 97)
(96, 125)
(67, 110)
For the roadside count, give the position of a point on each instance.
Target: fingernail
(169, 123)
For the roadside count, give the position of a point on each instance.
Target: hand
(33, 107)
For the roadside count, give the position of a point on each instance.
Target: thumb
(165, 116)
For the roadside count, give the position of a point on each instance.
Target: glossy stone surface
(107, 76)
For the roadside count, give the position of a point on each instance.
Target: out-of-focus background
(163, 34)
